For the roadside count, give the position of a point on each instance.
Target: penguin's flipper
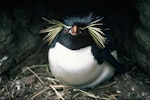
(106, 55)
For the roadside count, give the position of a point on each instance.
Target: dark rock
(20, 39)
(143, 7)
(137, 44)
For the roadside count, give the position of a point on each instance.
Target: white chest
(71, 59)
(75, 67)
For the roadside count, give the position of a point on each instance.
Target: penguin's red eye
(65, 31)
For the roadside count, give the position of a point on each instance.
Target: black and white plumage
(80, 53)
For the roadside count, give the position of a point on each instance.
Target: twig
(133, 69)
(34, 74)
(107, 85)
(54, 81)
(39, 93)
(110, 97)
(59, 86)
(87, 93)
(35, 66)
(57, 93)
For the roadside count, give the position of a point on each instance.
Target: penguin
(81, 54)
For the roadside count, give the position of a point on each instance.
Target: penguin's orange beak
(74, 30)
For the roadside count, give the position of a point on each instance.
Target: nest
(37, 83)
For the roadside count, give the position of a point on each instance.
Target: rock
(137, 44)
(20, 39)
(141, 54)
(144, 13)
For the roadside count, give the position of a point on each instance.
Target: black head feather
(82, 21)
(88, 32)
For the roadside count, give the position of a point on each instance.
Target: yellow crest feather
(52, 30)
(56, 27)
(96, 33)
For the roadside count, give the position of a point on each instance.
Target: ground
(37, 83)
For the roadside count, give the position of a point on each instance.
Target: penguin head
(76, 32)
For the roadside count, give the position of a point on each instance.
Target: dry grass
(37, 83)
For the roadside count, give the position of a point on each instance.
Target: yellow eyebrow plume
(52, 30)
(56, 26)
(96, 33)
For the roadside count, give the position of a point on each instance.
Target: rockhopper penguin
(81, 54)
